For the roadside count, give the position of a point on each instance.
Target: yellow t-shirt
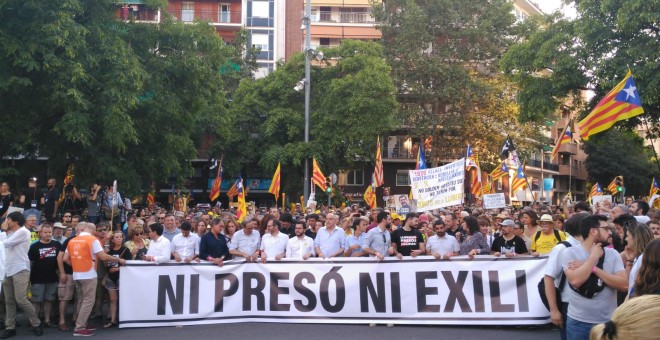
(545, 243)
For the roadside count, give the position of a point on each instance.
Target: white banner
(484, 291)
(438, 187)
(494, 201)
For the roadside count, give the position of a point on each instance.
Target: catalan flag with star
(520, 181)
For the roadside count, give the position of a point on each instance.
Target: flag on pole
(370, 197)
(318, 177)
(470, 158)
(233, 191)
(241, 212)
(613, 188)
(509, 149)
(520, 181)
(621, 103)
(421, 158)
(596, 190)
(151, 198)
(499, 172)
(487, 188)
(566, 137)
(284, 202)
(472, 161)
(654, 188)
(378, 169)
(215, 187)
(275, 183)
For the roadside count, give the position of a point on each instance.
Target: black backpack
(538, 235)
(593, 285)
(562, 282)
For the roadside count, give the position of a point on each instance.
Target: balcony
(214, 17)
(573, 171)
(359, 17)
(399, 147)
(546, 165)
(137, 13)
(568, 148)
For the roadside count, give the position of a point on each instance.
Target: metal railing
(211, 16)
(142, 14)
(344, 17)
(546, 165)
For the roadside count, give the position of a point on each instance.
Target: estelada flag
(621, 103)
(520, 181)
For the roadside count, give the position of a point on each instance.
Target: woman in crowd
(638, 236)
(635, 319)
(230, 228)
(484, 228)
(474, 243)
(137, 244)
(648, 276)
(111, 280)
(346, 226)
(200, 228)
(558, 221)
(264, 223)
(531, 222)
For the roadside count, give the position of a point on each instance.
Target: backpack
(562, 283)
(557, 236)
(593, 285)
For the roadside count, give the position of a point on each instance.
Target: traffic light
(329, 184)
(619, 183)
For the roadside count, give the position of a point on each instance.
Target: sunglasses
(102, 229)
(138, 234)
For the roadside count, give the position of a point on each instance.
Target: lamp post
(307, 18)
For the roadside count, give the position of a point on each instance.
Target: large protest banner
(484, 291)
(438, 187)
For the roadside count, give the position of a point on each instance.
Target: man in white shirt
(15, 284)
(245, 242)
(442, 245)
(82, 253)
(185, 246)
(300, 246)
(159, 248)
(273, 243)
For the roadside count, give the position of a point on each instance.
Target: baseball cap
(395, 216)
(464, 214)
(424, 217)
(59, 225)
(508, 223)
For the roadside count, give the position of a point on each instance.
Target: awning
(345, 32)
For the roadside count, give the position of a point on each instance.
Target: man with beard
(51, 201)
(508, 244)
(300, 246)
(442, 245)
(408, 241)
(580, 263)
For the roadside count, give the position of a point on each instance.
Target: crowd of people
(597, 258)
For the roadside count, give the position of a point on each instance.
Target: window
(225, 13)
(315, 14)
(402, 178)
(324, 41)
(260, 41)
(187, 11)
(499, 185)
(260, 9)
(355, 177)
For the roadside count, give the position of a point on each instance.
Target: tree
(352, 101)
(621, 153)
(444, 56)
(122, 100)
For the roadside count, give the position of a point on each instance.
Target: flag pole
(529, 187)
(465, 174)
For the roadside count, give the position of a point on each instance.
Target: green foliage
(122, 100)
(352, 100)
(615, 152)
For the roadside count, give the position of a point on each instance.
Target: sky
(548, 6)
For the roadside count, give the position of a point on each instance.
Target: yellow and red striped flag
(241, 212)
(275, 183)
(317, 175)
(499, 172)
(566, 137)
(621, 103)
(596, 190)
(233, 191)
(613, 188)
(472, 161)
(378, 169)
(370, 197)
(520, 181)
(215, 187)
(151, 198)
(654, 188)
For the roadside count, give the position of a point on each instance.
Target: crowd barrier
(483, 291)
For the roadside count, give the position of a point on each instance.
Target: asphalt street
(307, 331)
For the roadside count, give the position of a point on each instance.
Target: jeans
(564, 316)
(577, 330)
(15, 288)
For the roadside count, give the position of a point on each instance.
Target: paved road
(307, 331)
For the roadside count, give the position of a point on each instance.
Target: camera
(68, 188)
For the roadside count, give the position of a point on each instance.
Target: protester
(378, 242)
(639, 209)
(635, 319)
(655, 228)
(159, 246)
(246, 241)
(545, 239)
(408, 241)
(273, 243)
(185, 246)
(354, 241)
(137, 245)
(43, 274)
(300, 246)
(286, 220)
(579, 263)
(82, 252)
(530, 220)
(111, 280)
(32, 199)
(508, 244)
(66, 287)
(15, 284)
(312, 227)
(330, 240)
(6, 200)
(647, 280)
(453, 228)
(638, 238)
(169, 227)
(213, 245)
(442, 246)
(474, 243)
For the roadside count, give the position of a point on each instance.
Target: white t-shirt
(185, 246)
(633, 273)
(274, 245)
(296, 248)
(442, 245)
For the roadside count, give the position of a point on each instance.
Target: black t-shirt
(310, 234)
(51, 196)
(123, 253)
(44, 261)
(32, 198)
(458, 230)
(503, 246)
(407, 241)
(73, 205)
(4, 203)
(67, 267)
